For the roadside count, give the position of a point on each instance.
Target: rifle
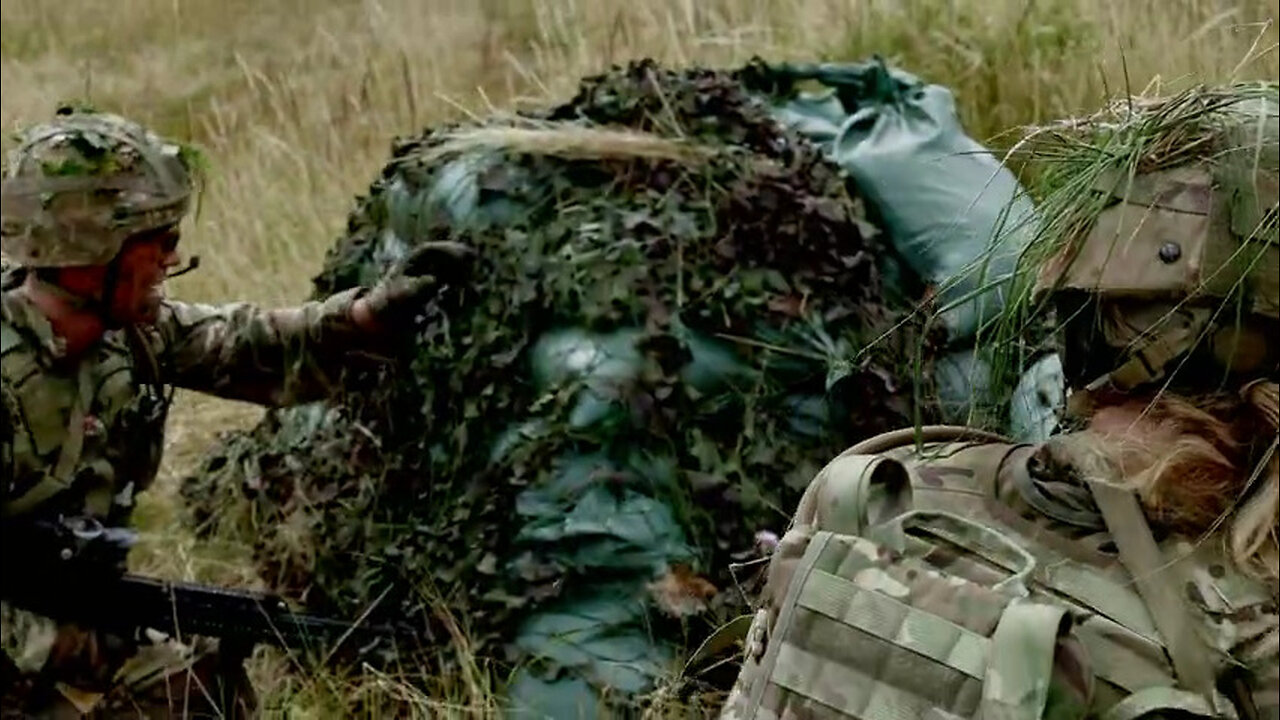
(72, 570)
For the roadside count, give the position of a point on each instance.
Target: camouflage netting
(674, 325)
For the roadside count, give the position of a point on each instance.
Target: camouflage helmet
(77, 187)
(1180, 269)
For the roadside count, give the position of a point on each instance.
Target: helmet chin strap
(1148, 362)
(146, 368)
(99, 303)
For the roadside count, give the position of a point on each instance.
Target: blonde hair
(1200, 466)
(1253, 537)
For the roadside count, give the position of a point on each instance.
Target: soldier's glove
(429, 270)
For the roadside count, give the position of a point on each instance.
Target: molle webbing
(1120, 634)
(844, 646)
(1155, 579)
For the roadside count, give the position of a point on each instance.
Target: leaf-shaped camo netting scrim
(679, 318)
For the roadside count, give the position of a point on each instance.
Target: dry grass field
(296, 101)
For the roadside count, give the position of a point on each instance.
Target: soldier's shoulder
(20, 337)
(19, 359)
(13, 322)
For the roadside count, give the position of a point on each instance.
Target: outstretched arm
(272, 357)
(295, 355)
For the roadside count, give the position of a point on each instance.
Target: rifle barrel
(42, 575)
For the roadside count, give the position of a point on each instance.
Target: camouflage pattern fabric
(1170, 251)
(75, 188)
(914, 641)
(946, 580)
(97, 424)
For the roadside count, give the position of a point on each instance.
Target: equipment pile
(679, 313)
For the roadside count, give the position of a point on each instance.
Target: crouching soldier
(90, 349)
(1125, 569)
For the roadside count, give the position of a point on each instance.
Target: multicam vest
(942, 580)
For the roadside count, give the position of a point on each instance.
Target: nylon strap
(61, 476)
(1123, 658)
(1156, 583)
(786, 615)
(1153, 699)
(1148, 361)
(853, 694)
(1021, 664)
(842, 497)
(924, 435)
(146, 365)
(1055, 509)
(896, 622)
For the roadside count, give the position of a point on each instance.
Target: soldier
(1125, 569)
(89, 349)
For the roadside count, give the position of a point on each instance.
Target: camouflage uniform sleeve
(271, 357)
(8, 468)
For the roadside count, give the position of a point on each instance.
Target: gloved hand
(429, 269)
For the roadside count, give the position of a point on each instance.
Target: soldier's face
(143, 264)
